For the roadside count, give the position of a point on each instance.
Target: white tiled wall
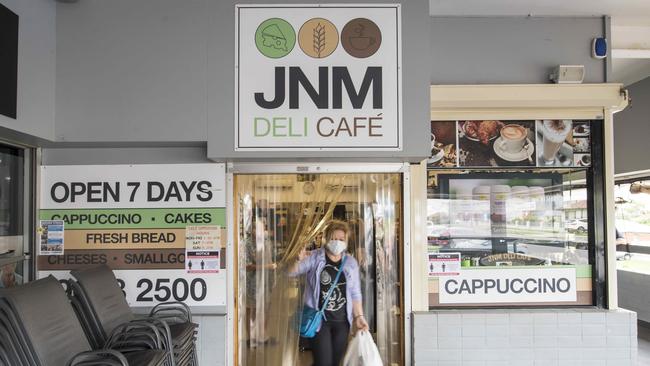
(211, 341)
(562, 337)
(634, 293)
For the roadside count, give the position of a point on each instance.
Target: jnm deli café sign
(318, 77)
(509, 285)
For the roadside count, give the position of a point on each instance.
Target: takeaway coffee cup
(513, 138)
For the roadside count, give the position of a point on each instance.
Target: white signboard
(144, 222)
(148, 288)
(133, 186)
(509, 285)
(318, 77)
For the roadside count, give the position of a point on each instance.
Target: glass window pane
(11, 191)
(510, 219)
(11, 216)
(632, 201)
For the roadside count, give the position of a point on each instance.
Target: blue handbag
(311, 318)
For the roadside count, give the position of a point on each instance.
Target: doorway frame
(232, 169)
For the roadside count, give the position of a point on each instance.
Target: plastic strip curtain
(387, 221)
(280, 215)
(311, 223)
(277, 221)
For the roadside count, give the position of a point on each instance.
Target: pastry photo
(492, 143)
(443, 145)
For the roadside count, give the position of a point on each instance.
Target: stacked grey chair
(38, 327)
(102, 308)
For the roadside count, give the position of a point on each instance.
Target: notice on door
(444, 264)
(202, 249)
(202, 262)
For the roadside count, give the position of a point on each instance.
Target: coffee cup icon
(362, 43)
(361, 37)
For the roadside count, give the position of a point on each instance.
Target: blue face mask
(336, 247)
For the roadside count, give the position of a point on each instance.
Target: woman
(8, 275)
(344, 308)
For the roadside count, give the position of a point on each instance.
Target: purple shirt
(314, 264)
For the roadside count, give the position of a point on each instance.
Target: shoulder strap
(336, 281)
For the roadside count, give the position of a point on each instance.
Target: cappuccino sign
(318, 77)
(509, 285)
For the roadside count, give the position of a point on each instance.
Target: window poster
(510, 143)
(140, 220)
(51, 237)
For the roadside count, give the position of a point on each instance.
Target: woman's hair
(336, 225)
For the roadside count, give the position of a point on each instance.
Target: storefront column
(612, 289)
(419, 284)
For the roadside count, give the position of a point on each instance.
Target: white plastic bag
(362, 351)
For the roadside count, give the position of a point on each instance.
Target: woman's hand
(302, 255)
(360, 324)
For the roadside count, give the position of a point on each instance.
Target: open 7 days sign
(318, 77)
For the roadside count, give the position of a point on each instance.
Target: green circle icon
(275, 38)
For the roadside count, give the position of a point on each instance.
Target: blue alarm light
(599, 48)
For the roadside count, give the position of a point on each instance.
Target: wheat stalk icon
(319, 39)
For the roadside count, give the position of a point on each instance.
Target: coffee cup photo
(582, 160)
(513, 138)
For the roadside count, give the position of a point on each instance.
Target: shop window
(11, 215)
(513, 223)
(633, 225)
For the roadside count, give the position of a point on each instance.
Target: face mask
(336, 247)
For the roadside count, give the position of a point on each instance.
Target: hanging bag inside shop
(312, 318)
(362, 351)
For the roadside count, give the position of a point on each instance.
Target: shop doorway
(277, 215)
